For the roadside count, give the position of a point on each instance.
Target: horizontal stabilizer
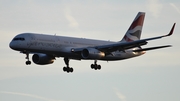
(151, 48)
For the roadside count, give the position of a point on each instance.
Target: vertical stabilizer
(134, 31)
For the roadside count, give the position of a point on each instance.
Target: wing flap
(121, 46)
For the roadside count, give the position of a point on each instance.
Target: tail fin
(134, 31)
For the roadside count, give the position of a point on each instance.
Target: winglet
(172, 29)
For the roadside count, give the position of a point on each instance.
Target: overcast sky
(151, 77)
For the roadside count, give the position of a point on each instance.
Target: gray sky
(151, 77)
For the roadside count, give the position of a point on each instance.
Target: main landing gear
(67, 68)
(70, 69)
(27, 57)
(95, 65)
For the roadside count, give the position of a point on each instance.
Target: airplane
(46, 48)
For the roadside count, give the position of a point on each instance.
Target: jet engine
(92, 53)
(42, 59)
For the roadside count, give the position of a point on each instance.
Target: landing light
(72, 50)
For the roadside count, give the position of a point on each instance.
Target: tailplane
(134, 31)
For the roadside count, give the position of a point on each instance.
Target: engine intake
(92, 53)
(42, 59)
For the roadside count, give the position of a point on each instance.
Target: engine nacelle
(92, 53)
(42, 59)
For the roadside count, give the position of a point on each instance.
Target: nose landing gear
(28, 62)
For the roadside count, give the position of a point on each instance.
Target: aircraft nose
(12, 45)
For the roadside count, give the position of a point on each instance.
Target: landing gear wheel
(67, 68)
(99, 67)
(71, 70)
(95, 66)
(27, 57)
(28, 62)
(92, 66)
(64, 69)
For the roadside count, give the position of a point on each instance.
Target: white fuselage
(61, 46)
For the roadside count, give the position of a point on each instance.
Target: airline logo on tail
(134, 31)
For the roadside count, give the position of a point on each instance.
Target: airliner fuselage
(45, 48)
(61, 46)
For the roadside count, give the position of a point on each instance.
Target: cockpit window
(20, 38)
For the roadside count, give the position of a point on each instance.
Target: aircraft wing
(121, 46)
